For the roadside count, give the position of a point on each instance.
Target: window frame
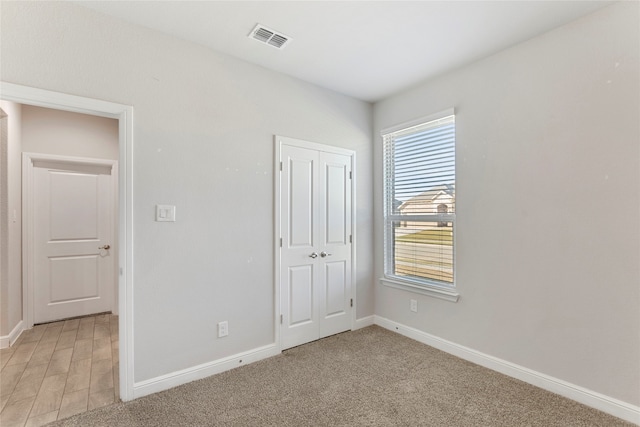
(425, 286)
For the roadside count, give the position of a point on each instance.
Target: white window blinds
(419, 206)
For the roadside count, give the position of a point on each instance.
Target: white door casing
(73, 237)
(314, 263)
(124, 115)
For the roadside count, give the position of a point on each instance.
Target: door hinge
(280, 166)
(281, 319)
(281, 242)
(350, 238)
(350, 175)
(351, 302)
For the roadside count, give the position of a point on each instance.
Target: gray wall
(548, 204)
(203, 140)
(65, 133)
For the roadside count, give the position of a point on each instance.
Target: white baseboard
(615, 407)
(364, 322)
(8, 340)
(174, 379)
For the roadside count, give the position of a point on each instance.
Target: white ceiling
(365, 49)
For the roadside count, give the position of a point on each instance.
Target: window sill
(432, 291)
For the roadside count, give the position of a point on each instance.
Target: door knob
(313, 255)
(105, 247)
(324, 254)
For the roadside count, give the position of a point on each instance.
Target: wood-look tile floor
(58, 370)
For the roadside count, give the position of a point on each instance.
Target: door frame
(28, 218)
(279, 141)
(124, 114)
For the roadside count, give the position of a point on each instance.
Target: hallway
(59, 369)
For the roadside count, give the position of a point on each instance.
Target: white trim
(124, 115)
(432, 291)
(418, 121)
(364, 322)
(9, 340)
(27, 243)
(278, 142)
(115, 309)
(610, 405)
(174, 379)
(354, 239)
(54, 158)
(277, 314)
(60, 101)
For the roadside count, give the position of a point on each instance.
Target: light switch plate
(165, 213)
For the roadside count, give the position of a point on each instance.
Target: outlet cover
(414, 305)
(223, 329)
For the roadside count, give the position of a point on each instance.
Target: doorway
(123, 114)
(68, 214)
(314, 265)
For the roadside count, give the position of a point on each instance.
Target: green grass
(442, 236)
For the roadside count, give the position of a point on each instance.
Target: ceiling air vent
(270, 37)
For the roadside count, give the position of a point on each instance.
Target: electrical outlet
(414, 305)
(223, 329)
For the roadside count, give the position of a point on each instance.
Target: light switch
(165, 213)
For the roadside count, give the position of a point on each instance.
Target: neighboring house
(436, 200)
(429, 242)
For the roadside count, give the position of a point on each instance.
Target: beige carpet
(370, 377)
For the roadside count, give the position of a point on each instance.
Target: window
(419, 204)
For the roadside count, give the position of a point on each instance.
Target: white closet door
(334, 216)
(315, 258)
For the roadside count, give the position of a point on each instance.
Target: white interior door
(72, 239)
(315, 255)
